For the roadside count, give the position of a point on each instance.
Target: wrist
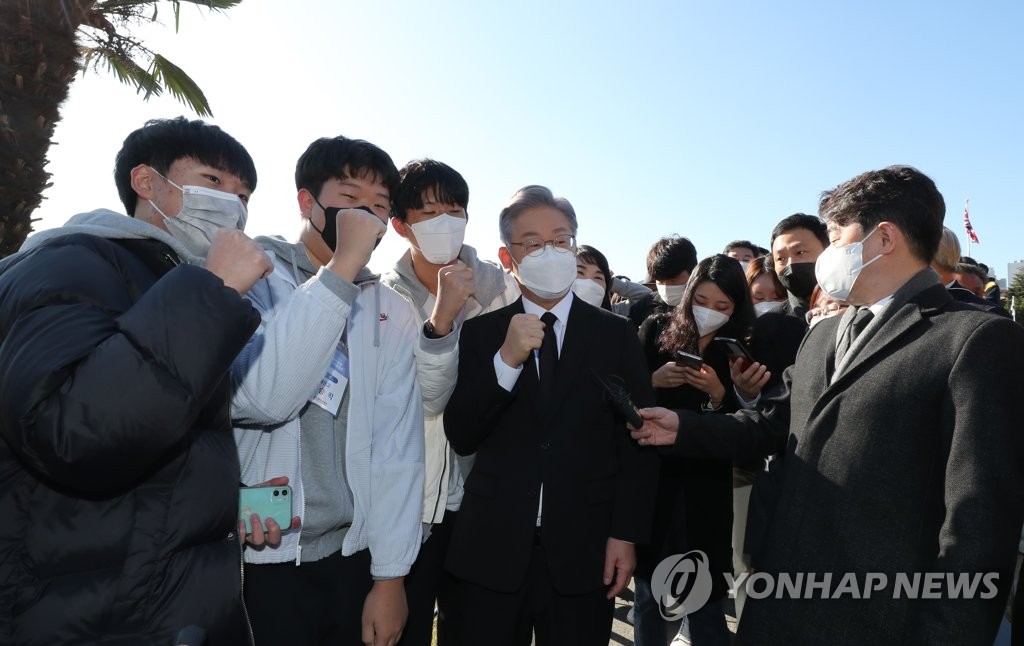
(395, 583)
(439, 325)
(508, 359)
(343, 267)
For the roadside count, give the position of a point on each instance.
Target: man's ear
(505, 257)
(399, 227)
(142, 178)
(305, 200)
(889, 235)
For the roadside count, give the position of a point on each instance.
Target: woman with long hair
(694, 496)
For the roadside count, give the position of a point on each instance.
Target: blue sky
(712, 120)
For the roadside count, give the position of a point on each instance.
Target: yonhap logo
(682, 584)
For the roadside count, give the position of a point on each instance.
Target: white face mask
(204, 211)
(671, 294)
(764, 307)
(745, 264)
(837, 268)
(589, 290)
(440, 238)
(708, 320)
(549, 273)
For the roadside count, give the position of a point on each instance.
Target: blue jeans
(707, 626)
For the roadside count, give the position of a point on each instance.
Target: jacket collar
(919, 298)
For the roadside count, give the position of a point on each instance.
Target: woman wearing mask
(593, 277)
(766, 291)
(596, 284)
(694, 497)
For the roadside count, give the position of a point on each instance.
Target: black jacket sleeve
(98, 382)
(478, 400)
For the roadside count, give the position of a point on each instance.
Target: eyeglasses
(564, 242)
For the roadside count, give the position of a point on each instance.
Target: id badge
(332, 386)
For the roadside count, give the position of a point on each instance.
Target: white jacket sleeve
(396, 465)
(283, 363)
(437, 367)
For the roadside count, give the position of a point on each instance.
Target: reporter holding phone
(694, 496)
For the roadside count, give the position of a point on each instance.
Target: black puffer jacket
(118, 471)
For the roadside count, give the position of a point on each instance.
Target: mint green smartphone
(270, 501)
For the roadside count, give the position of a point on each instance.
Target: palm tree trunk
(38, 62)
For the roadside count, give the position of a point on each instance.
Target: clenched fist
(525, 334)
(454, 287)
(237, 260)
(358, 232)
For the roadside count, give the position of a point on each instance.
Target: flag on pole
(967, 225)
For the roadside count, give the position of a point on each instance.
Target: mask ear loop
(153, 204)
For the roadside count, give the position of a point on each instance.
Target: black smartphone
(687, 360)
(736, 350)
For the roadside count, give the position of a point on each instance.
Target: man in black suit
(903, 448)
(796, 243)
(559, 493)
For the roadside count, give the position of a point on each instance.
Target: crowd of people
(487, 453)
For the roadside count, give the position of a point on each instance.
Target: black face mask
(799, 279)
(330, 231)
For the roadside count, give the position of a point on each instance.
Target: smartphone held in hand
(687, 360)
(268, 501)
(736, 350)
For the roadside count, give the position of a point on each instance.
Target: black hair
(967, 260)
(669, 257)
(727, 274)
(801, 221)
(161, 142)
(902, 195)
(421, 175)
(339, 157)
(592, 256)
(967, 268)
(741, 244)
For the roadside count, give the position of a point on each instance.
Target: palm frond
(180, 85)
(125, 69)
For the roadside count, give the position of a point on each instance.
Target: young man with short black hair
(796, 243)
(669, 263)
(326, 394)
(445, 283)
(121, 483)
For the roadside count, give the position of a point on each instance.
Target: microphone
(615, 389)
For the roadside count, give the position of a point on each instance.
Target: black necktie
(857, 325)
(548, 358)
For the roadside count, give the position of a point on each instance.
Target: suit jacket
(597, 482)
(774, 340)
(910, 461)
(646, 306)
